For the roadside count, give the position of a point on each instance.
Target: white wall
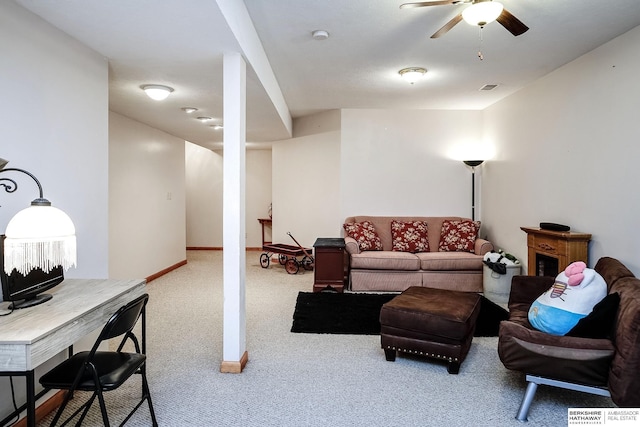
(204, 196)
(567, 149)
(306, 182)
(146, 199)
(398, 162)
(258, 192)
(54, 115)
(54, 110)
(377, 162)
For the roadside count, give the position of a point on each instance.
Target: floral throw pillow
(458, 235)
(365, 234)
(409, 236)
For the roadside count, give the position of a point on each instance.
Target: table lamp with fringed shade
(39, 236)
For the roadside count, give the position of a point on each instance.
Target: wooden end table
(329, 268)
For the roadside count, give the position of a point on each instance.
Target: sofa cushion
(383, 280)
(458, 235)
(625, 387)
(612, 271)
(385, 260)
(410, 236)
(601, 321)
(449, 261)
(457, 280)
(365, 234)
(573, 359)
(382, 225)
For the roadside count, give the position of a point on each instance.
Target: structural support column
(234, 355)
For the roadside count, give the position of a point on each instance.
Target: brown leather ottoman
(430, 322)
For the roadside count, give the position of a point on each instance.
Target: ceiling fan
(479, 12)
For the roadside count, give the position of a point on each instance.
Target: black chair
(100, 371)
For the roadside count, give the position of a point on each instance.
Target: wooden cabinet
(549, 252)
(329, 267)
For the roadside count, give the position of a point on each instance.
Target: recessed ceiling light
(204, 119)
(412, 74)
(216, 127)
(157, 92)
(189, 110)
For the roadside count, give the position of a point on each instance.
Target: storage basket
(497, 286)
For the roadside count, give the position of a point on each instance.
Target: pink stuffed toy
(574, 273)
(573, 294)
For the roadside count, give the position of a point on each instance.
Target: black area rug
(359, 314)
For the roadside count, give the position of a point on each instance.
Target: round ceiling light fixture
(204, 119)
(157, 92)
(320, 35)
(412, 74)
(189, 110)
(482, 13)
(216, 126)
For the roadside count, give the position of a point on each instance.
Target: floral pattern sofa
(391, 254)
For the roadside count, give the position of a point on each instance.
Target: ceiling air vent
(488, 87)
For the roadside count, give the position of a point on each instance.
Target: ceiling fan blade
(511, 23)
(428, 3)
(449, 25)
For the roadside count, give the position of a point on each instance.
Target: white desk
(31, 336)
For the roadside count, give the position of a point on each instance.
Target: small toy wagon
(288, 256)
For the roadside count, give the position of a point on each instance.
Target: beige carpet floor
(295, 379)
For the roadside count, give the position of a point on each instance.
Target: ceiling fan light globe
(481, 14)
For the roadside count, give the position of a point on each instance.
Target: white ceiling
(181, 43)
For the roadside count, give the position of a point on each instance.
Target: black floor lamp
(473, 164)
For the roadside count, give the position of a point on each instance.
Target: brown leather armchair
(608, 366)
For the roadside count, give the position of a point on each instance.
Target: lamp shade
(482, 13)
(39, 236)
(473, 163)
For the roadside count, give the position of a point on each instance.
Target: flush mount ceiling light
(412, 74)
(482, 13)
(216, 127)
(320, 35)
(157, 92)
(204, 119)
(189, 110)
